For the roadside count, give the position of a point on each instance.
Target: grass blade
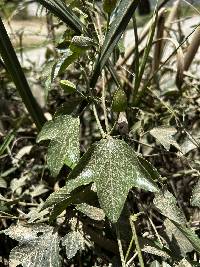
(192, 49)
(124, 13)
(13, 67)
(145, 57)
(62, 11)
(6, 142)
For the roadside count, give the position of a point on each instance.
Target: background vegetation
(99, 130)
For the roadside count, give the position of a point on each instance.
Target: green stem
(120, 247)
(13, 67)
(98, 121)
(132, 220)
(104, 102)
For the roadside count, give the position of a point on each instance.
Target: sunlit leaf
(167, 205)
(153, 247)
(68, 86)
(63, 62)
(63, 131)
(119, 103)
(164, 135)
(177, 241)
(38, 246)
(114, 168)
(3, 183)
(81, 43)
(73, 242)
(93, 213)
(195, 199)
(183, 263)
(190, 235)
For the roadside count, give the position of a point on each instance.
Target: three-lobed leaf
(63, 131)
(114, 168)
(164, 135)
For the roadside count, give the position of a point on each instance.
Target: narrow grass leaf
(64, 13)
(125, 11)
(13, 67)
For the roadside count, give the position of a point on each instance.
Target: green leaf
(114, 168)
(153, 247)
(184, 263)
(119, 103)
(157, 264)
(64, 61)
(124, 13)
(68, 107)
(164, 135)
(63, 131)
(93, 213)
(8, 139)
(195, 199)
(167, 205)
(68, 86)
(190, 235)
(3, 183)
(63, 194)
(178, 242)
(63, 12)
(81, 43)
(109, 5)
(38, 245)
(73, 242)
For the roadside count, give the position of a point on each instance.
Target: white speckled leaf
(117, 169)
(164, 135)
(63, 131)
(177, 241)
(190, 234)
(38, 246)
(114, 168)
(93, 213)
(73, 242)
(195, 199)
(183, 263)
(167, 205)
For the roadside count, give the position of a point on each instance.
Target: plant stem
(98, 121)
(104, 102)
(129, 248)
(120, 246)
(132, 219)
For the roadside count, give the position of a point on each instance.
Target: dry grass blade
(142, 36)
(192, 49)
(180, 62)
(159, 44)
(172, 14)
